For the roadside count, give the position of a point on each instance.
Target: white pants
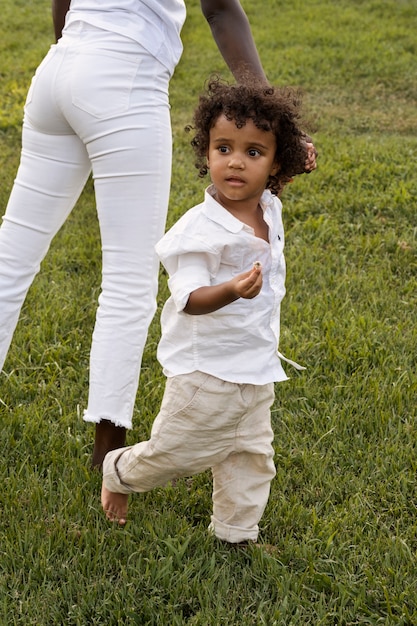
(205, 422)
(98, 102)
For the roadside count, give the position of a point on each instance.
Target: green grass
(340, 529)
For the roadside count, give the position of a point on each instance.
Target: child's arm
(211, 298)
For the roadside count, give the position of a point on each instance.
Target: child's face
(240, 162)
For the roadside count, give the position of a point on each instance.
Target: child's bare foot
(114, 505)
(108, 437)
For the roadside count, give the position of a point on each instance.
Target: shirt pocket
(231, 263)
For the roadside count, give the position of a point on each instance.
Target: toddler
(220, 325)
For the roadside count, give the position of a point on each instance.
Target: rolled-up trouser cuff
(232, 534)
(111, 476)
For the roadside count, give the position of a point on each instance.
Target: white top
(239, 342)
(155, 24)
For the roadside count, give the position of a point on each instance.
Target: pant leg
(241, 482)
(132, 191)
(195, 429)
(117, 102)
(53, 169)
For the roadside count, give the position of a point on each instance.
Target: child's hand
(248, 284)
(213, 297)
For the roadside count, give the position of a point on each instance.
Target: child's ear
(275, 168)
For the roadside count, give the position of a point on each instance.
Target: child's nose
(236, 162)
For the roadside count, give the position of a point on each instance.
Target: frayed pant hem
(94, 419)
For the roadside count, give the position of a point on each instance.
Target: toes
(112, 516)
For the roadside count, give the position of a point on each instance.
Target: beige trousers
(205, 422)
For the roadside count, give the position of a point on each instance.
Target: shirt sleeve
(192, 272)
(190, 262)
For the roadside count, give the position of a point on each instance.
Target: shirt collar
(217, 213)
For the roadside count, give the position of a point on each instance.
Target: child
(220, 326)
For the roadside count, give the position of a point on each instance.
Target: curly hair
(271, 109)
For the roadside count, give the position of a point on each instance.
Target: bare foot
(114, 505)
(108, 437)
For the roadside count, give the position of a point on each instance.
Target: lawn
(339, 535)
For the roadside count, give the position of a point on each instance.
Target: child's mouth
(233, 180)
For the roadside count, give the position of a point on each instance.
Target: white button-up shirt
(239, 342)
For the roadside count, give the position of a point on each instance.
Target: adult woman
(99, 103)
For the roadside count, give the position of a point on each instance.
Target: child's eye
(223, 149)
(253, 152)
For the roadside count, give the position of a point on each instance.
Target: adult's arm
(59, 11)
(233, 36)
